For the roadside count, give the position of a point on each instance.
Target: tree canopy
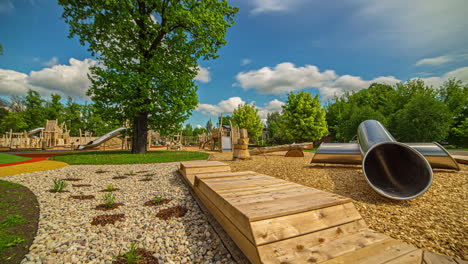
(304, 117)
(246, 116)
(148, 52)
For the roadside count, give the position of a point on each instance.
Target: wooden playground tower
(52, 135)
(222, 138)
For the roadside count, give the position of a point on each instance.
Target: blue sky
(276, 46)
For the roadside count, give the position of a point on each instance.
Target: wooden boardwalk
(276, 221)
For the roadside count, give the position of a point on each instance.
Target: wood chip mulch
(145, 257)
(150, 202)
(142, 171)
(82, 197)
(72, 179)
(106, 219)
(99, 172)
(146, 179)
(176, 211)
(103, 207)
(81, 185)
(435, 221)
(52, 191)
(119, 177)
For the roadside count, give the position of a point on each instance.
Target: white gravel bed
(65, 233)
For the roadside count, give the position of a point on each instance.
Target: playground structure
(395, 170)
(221, 139)
(57, 136)
(263, 219)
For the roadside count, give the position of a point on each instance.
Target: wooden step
(189, 169)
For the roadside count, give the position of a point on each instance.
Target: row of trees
(412, 111)
(32, 111)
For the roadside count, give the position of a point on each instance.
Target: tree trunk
(258, 151)
(140, 133)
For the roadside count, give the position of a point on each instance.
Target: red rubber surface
(35, 157)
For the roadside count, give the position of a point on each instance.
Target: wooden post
(241, 149)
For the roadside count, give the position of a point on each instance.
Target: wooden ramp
(276, 221)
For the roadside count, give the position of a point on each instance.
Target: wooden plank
(289, 226)
(189, 173)
(237, 179)
(273, 195)
(375, 253)
(269, 188)
(226, 174)
(296, 249)
(261, 182)
(235, 189)
(311, 249)
(414, 257)
(431, 258)
(233, 214)
(291, 205)
(202, 163)
(249, 250)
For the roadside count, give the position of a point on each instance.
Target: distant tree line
(412, 111)
(31, 111)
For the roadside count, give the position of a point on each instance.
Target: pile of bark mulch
(150, 202)
(435, 221)
(82, 197)
(107, 219)
(119, 177)
(103, 207)
(142, 171)
(145, 257)
(99, 172)
(176, 211)
(72, 179)
(81, 185)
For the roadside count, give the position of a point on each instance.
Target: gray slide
(95, 143)
(34, 131)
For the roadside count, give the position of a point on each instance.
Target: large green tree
(148, 52)
(304, 117)
(423, 119)
(246, 116)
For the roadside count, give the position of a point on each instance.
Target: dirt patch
(103, 207)
(142, 171)
(176, 211)
(82, 197)
(99, 172)
(52, 191)
(81, 185)
(19, 219)
(145, 257)
(146, 179)
(150, 202)
(433, 221)
(119, 177)
(107, 219)
(72, 179)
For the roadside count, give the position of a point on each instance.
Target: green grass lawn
(8, 158)
(19, 215)
(125, 157)
(311, 150)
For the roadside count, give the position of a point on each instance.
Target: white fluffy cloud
(198, 126)
(69, 80)
(51, 62)
(433, 61)
(264, 6)
(203, 75)
(229, 105)
(246, 62)
(285, 77)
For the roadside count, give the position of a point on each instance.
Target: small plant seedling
(110, 188)
(158, 200)
(109, 200)
(131, 256)
(12, 220)
(59, 185)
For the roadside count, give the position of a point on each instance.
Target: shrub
(109, 200)
(59, 185)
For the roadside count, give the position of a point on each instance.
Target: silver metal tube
(392, 169)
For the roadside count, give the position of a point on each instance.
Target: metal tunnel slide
(97, 142)
(395, 170)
